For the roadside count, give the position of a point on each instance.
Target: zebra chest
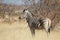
(34, 23)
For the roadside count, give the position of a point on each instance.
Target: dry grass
(20, 31)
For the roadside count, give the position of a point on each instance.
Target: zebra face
(25, 14)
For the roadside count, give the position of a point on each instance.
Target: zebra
(34, 23)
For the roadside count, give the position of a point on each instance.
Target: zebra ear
(24, 10)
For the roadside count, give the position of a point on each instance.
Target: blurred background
(13, 8)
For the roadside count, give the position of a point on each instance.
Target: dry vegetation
(48, 8)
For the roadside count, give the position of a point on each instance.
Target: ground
(20, 31)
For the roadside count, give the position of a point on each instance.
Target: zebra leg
(32, 29)
(48, 30)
